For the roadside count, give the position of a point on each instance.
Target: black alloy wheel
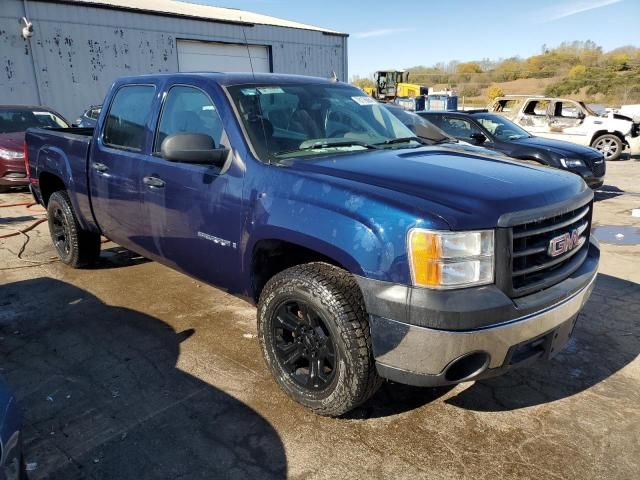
(76, 247)
(304, 346)
(60, 232)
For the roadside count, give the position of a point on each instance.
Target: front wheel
(314, 335)
(76, 247)
(610, 145)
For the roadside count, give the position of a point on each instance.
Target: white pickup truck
(571, 121)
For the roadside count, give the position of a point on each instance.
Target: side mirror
(197, 148)
(478, 138)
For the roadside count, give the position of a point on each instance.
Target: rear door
(115, 162)
(194, 211)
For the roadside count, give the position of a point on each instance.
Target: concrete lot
(131, 371)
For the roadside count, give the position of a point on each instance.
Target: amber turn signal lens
(425, 252)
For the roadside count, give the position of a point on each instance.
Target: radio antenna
(253, 74)
(246, 44)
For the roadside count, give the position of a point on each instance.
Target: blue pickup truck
(370, 253)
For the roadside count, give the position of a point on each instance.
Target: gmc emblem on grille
(567, 241)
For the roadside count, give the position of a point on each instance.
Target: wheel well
(49, 183)
(271, 257)
(605, 132)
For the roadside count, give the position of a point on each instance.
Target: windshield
(19, 119)
(299, 120)
(420, 126)
(500, 127)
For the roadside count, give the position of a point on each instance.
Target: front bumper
(594, 182)
(13, 173)
(634, 144)
(427, 356)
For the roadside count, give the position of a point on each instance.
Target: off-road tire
(614, 140)
(80, 247)
(334, 294)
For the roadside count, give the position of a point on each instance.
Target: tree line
(578, 68)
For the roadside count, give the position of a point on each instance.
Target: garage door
(221, 57)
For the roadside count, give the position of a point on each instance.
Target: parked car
(433, 135)
(88, 118)
(11, 462)
(369, 254)
(497, 133)
(14, 121)
(575, 122)
(420, 126)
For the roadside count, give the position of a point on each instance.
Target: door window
(188, 110)
(458, 127)
(125, 124)
(566, 110)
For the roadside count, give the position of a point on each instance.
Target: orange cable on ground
(25, 204)
(24, 230)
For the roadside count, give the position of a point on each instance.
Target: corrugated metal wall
(76, 52)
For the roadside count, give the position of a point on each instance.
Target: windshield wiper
(391, 141)
(320, 144)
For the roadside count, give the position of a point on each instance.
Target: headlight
(10, 153)
(442, 259)
(571, 162)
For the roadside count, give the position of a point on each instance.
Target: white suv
(571, 121)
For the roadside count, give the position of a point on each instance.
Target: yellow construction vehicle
(391, 84)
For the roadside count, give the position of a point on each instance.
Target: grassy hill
(579, 70)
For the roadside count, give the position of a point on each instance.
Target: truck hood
(610, 123)
(466, 190)
(565, 149)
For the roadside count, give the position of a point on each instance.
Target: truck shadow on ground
(606, 192)
(606, 339)
(118, 257)
(103, 398)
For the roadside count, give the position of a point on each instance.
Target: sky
(406, 33)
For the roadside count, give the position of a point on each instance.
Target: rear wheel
(610, 145)
(76, 247)
(315, 338)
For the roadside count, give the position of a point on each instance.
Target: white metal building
(78, 47)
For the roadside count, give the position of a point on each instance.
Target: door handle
(153, 182)
(100, 167)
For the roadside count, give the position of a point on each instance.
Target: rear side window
(124, 126)
(506, 105)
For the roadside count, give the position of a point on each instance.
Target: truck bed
(50, 148)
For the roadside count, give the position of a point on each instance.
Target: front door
(114, 168)
(535, 117)
(193, 210)
(567, 120)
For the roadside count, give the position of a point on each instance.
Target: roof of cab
(234, 78)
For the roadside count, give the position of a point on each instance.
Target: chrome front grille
(546, 251)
